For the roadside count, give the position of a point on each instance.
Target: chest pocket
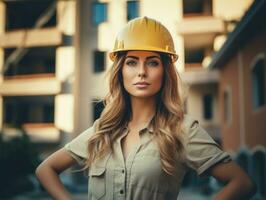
(97, 182)
(97, 179)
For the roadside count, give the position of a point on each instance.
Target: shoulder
(192, 130)
(87, 133)
(189, 123)
(78, 146)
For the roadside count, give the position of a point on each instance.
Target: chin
(143, 95)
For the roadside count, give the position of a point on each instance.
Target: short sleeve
(77, 147)
(201, 150)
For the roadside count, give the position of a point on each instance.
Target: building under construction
(37, 59)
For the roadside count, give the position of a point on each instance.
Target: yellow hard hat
(144, 33)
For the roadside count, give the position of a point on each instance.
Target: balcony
(34, 114)
(31, 74)
(200, 31)
(192, 66)
(31, 38)
(38, 132)
(27, 85)
(199, 24)
(199, 75)
(42, 132)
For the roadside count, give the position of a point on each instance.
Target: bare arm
(48, 174)
(238, 184)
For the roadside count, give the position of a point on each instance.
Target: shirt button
(123, 171)
(121, 191)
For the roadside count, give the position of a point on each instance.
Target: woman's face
(142, 73)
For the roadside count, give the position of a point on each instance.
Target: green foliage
(18, 160)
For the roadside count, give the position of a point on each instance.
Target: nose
(142, 70)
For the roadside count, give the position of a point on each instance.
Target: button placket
(119, 182)
(120, 170)
(129, 163)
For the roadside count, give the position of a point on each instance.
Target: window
(24, 14)
(258, 84)
(259, 160)
(132, 9)
(227, 106)
(207, 106)
(37, 60)
(99, 13)
(19, 110)
(199, 7)
(99, 61)
(97, 109)
(194, 55)
(9, 118)
(48, 113)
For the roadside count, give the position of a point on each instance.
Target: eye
(153, 63)
(131, 62)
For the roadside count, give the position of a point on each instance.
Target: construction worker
(143, 143)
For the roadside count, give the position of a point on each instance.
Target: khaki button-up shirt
(141, 176)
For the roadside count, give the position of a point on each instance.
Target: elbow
(38, 171)
(41, 171)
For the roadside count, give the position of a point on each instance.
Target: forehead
(142, 54)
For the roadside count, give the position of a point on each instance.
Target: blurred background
(53, 62)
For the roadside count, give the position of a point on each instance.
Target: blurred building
(37, 63)
(242, 87)
(242, 94)
(54, 55)
(203, 28)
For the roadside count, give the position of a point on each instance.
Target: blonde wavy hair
(167, 122)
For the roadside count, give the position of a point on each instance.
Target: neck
(143, 109)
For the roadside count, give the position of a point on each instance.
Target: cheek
(126, 77)
(158, 79)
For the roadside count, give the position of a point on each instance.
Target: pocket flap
(96, 171)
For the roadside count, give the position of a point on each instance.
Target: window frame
(258, 58)
(227, 120)
(95, 62)
(137, 2)
(211, 106)
(105, 17)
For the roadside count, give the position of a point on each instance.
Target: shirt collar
(148, 126)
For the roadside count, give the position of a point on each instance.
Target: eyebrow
(137, 58)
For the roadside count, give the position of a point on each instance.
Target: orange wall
(230, 132)
(254, 123)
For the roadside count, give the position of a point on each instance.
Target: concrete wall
(230, 9)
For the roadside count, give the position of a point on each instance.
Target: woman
(143, 144)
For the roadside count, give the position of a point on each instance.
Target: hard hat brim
(112, 54)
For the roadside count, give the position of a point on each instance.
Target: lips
(142, 83)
